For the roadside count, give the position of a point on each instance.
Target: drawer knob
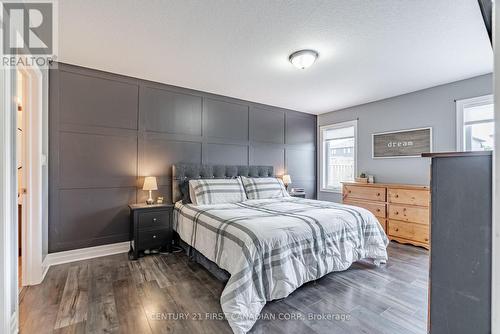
(378, 210)
(349, 191)
(426, 239)
(396, 196)
(378, 194)
(154, 236)
(155, 220)
(396, 229)
(396, 213)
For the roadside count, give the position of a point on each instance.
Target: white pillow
(216, 191)
(264, 187)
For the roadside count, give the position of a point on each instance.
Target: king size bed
(239, 222)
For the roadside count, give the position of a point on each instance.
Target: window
(475, 124)
(338, 155)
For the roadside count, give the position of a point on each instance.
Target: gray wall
(108, 131)
(433, 107)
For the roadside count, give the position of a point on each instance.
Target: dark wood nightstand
(296, 194)
(150, 228)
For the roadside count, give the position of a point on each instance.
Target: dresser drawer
(409, 231)
(153, 219)
(408, 196)
(154, 238)
(412, 214)
(378, 209)
(364, 193)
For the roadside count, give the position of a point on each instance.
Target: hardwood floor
(152, 295)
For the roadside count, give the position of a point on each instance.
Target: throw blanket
(273, 246)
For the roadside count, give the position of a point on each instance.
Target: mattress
(270, 247)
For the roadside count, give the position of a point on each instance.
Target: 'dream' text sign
(406, 143)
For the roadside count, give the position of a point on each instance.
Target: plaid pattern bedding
(271, 247)
(216, 191)
(264, 187)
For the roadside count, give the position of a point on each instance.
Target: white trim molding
(321, 150)
(8, 203)
(53, 259)
(32, 234)
(14, 322)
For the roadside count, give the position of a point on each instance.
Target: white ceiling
(369, 50)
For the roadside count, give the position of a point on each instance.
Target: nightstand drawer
(154, 219)
(154, 238)
(150, 228)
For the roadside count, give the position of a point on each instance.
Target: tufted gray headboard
(183, 172)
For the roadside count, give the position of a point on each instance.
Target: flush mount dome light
(302, 59)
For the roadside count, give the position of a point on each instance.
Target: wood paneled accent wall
(108, 131)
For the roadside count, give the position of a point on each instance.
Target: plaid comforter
(273, 246)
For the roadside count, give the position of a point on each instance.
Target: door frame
(9, 299)
(32, 234)
(8, 204)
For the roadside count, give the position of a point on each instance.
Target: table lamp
(150, 184)
(287, 180)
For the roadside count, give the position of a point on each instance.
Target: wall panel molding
(92, 100)
(136, 128)
(159, 111)
(267, 126)
(224, 119)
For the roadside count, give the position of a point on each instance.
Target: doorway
(30, 161)
(20, 162)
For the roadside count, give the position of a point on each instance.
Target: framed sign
(402, 144)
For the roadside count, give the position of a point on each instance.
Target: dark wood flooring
(113, 295)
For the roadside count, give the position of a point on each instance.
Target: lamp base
(150, 199)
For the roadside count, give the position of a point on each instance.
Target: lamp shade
(150, 183)
(287, 179)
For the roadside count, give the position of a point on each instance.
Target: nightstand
(150, 228)
(297, 194)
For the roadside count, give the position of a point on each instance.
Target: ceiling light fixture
(302, 59)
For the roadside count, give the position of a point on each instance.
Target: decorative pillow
(185, 190)
(216, 191)
(264, 187)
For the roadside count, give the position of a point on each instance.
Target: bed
(270, 247)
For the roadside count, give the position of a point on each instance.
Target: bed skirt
(221, 274)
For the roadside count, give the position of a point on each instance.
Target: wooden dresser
(403, 210)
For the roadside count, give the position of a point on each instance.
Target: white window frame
(461, 105)
(322, 129)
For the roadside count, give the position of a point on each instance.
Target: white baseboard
(84, 254)
(14, 328)
(45, 268)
